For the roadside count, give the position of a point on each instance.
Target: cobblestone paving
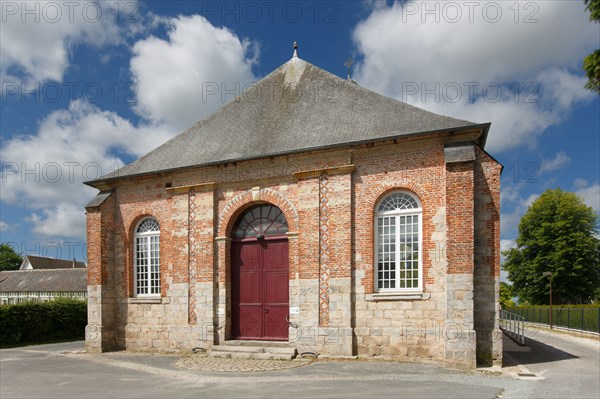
(202, 362)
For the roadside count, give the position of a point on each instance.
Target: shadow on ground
(533, 352)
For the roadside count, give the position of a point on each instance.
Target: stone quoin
(308, 210)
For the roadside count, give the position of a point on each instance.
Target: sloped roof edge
(483, 126)
(291, 120)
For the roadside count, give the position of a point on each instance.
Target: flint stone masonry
(328, 197)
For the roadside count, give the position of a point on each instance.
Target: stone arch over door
(227, 219)
(240, 202)
(260, 274)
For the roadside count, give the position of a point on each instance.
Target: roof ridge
(296, 107)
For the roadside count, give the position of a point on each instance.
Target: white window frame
(397, 214)
(147, 237)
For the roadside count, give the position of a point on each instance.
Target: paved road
(62, 371)
(564, 366)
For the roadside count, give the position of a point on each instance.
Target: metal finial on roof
(295, 50)
(348, 65)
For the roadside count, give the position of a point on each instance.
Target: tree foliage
(506, 295)
(591, 63)
(9, 259)
(558, 234)
(593, 6)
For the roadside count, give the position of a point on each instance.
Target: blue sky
(90, 86)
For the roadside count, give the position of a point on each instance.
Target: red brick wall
(100, 242)
(414, 165)
(459, 217)
(94, 246)
(418, 167)
(487, 191)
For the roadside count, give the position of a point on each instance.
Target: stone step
(254, 350)
(270, 344)
(250, 355)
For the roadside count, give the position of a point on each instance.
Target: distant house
(42, 279)
(41, 263)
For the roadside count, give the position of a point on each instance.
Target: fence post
(582, 320)
(522, 328)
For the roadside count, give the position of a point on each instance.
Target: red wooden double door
(260, 275)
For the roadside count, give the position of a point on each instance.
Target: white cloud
(591, 196)
(406, 53)
(560, 159)
(504, 276)
(44, 170)
(37, 36)
(195, 71)
(526, 203)
(65, 219)
(4, 226)
(580, 183)
(507, 244)
(509, 193)
(509, 222)
(504, 246)
(71, 145)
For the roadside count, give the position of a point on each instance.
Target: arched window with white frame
(398, 243)
(147, 258)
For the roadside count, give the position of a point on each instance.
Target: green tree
(557, 234)
(9, 259)
(506, 295)
(591, 63)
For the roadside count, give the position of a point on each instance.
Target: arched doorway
(260, 275)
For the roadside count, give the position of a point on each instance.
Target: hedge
(42, 321)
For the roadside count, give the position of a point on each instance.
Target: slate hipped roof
(296, 108)
(55, 280)
(39, 262)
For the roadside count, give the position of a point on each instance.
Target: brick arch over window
(242, 201)
(383, 190)
(133, 223)
(372, 200)
(398, 241)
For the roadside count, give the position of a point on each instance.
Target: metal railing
(513, 325)
(577, 319)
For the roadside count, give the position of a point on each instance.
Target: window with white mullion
(408, 252)
(386, 261)
(147, 258)
(154, 265)
(398, 244)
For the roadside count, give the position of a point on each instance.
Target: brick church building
(311, 212)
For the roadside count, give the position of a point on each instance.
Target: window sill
(398, 296)
(158, 300)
